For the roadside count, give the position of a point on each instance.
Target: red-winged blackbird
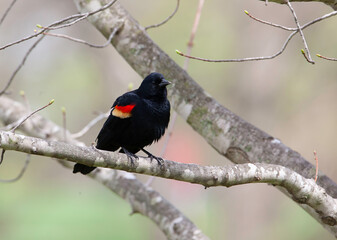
(137, 119)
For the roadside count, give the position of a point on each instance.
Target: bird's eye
(157, 81)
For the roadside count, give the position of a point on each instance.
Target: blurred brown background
(287, 97)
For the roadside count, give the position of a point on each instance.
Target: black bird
(137, 119)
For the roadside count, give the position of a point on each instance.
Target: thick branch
(142, 199)
(304, 191)
(331, 3)
(230, 135)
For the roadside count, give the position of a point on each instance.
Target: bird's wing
(111, 134)
(123, 106)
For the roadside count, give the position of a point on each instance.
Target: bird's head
(154, 86)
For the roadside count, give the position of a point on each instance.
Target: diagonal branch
(331, 3)
(7, 11)
(91, 124)
(21, 65)
(303, 191)
(31, 114)
(230, 135)
(269, 23)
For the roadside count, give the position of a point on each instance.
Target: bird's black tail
(84, 169)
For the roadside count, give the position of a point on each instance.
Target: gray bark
(331, 3)
(231, 136)
(304, 191)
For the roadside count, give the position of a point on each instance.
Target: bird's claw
(130, 156)
(158, 159)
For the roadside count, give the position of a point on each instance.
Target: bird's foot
(131, 156)
(151, 156)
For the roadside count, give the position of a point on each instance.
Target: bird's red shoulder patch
(123, 111)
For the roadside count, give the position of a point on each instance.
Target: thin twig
(242, 59)
(61, 24)
(21, 172)
(269, 23)
(82, 41)
(78, 17)
(304, 55)
(166, 20)
(37, 110)
(326, 58)
(264, 57)
(194, 30)
(90, 125)
(325, 16)
(7, 11)
(55, 25)
(2, 155)
(11, 125)
(316, 159)
(64, 25)
(21, 40)
(308, 58)
(333, 13)
(21, 65)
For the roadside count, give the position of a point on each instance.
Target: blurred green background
(286, 97)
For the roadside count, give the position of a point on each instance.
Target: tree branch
(142, 199)
(166, 20)
(230, 135)
(18, 177)
(294, 31)
(331, 3)
(307, 55)
(303, 191)
(326, 58)
(92, 123)
(7, 11)
(65, 22)
(10, 80)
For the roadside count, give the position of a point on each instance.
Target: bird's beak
(164, 83)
